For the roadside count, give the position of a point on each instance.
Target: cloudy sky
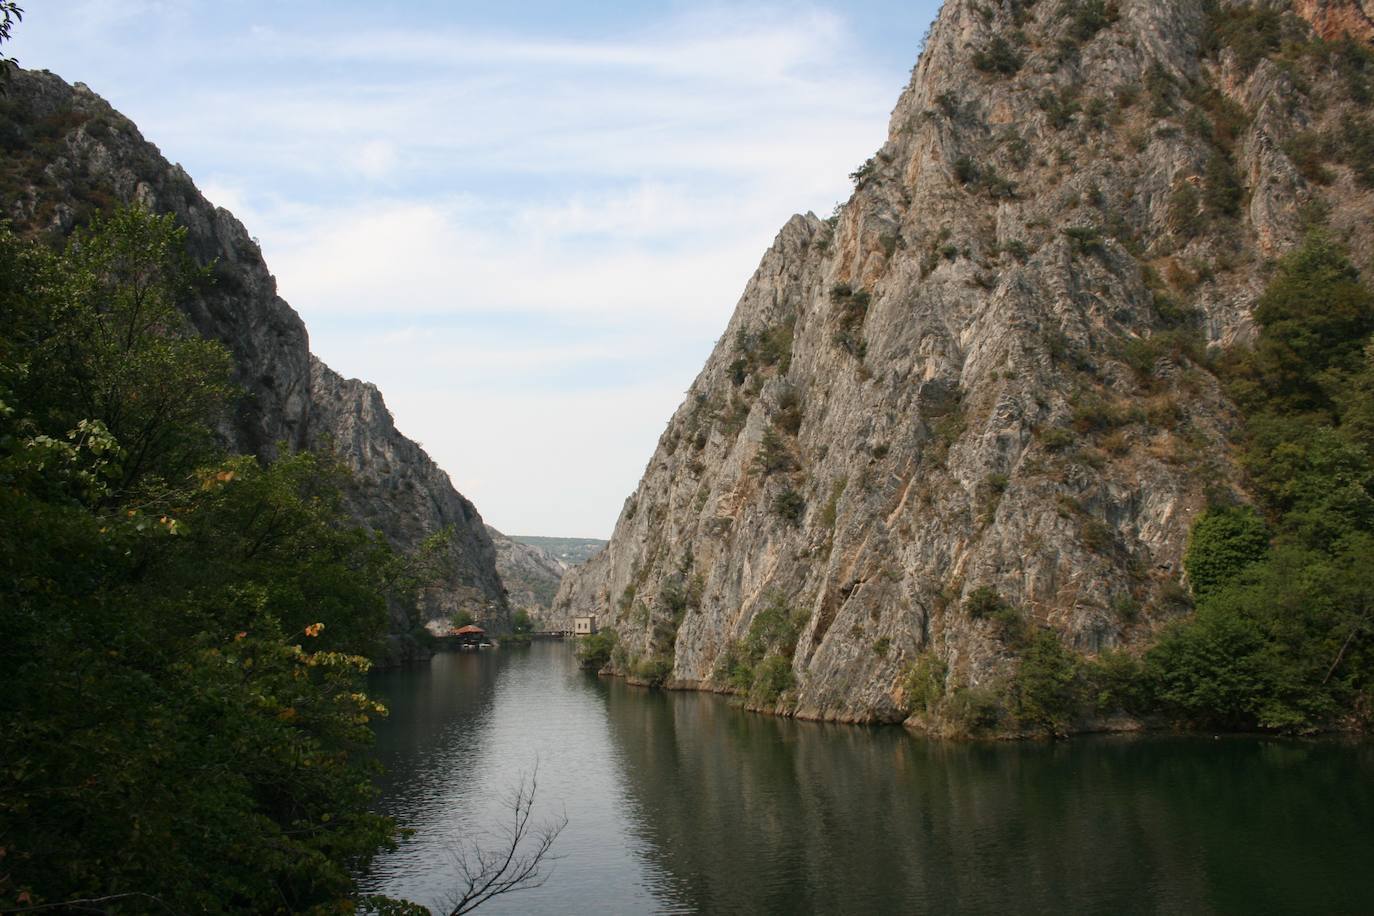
(527, 223)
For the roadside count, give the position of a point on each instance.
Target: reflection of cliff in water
(435, 714)
(755, 814)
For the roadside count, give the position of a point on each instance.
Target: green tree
(1315, 317)
(1045, 690)
(181, 634)
(10, 14)
(1224, 540)
(1282, 631)
(594, 651)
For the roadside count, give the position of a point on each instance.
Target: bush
(1059, 107)
(594, 651)
(863, 172)
(1355, 145)
(679, 594)
(1213, 670)
(851, 310)
(1117, 682)
(772, 678)
(1309, 151)
(1085, 240)
(975, 709)
(925, 682)
(788, 417)
(831, 509)
(1159, 86)
(653, 671)
(1097, 535)
(983, 602)
(1092, 413)
(1251, 32)
(1222, 191)
(1046, 689)
(1223, 542)
(1057, 438)
(760, 664)
(774, 629)
(1185, 213)
(997, 56)
(1017, 249)
(1088, 17)
(790, 506)
(762, 349)
(774, 454)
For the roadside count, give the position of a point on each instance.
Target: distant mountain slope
(572, 551)
(531, 575)
(67, 154)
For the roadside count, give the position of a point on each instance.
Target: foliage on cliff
(181, 633)
(1284, 632)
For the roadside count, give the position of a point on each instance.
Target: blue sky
(527, 223)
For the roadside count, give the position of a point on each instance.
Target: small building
(585, 625)
(469, 636)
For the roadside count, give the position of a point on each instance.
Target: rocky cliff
(398, 490)
(68, 154)
(531, 574)
(983, 383)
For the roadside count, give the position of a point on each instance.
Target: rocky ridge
(531, 575)
(986, 375)
(68, 154)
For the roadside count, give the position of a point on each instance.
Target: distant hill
(532, 567)
(573, 551)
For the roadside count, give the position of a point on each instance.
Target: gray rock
(531, 574)
(976, 421)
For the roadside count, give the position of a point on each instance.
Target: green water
(679, 802)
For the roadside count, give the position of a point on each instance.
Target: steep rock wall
(986, 372)
(397, 489)
(531, 574)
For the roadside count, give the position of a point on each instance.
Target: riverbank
(946, 729)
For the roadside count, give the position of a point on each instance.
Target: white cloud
(375, 159)
(529, 242)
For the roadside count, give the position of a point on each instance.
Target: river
(680, 802)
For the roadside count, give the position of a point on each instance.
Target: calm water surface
(681, 803)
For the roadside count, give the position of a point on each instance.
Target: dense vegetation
(1286, 601)
(1281, 635)
(182, 633)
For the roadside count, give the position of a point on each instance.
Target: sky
(526, 223)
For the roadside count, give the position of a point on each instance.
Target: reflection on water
(679, 802)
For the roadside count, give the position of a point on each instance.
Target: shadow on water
(681, 802)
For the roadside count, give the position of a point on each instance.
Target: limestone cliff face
(398, 490)
(67, 153)
(531, 575)
(988, 371)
